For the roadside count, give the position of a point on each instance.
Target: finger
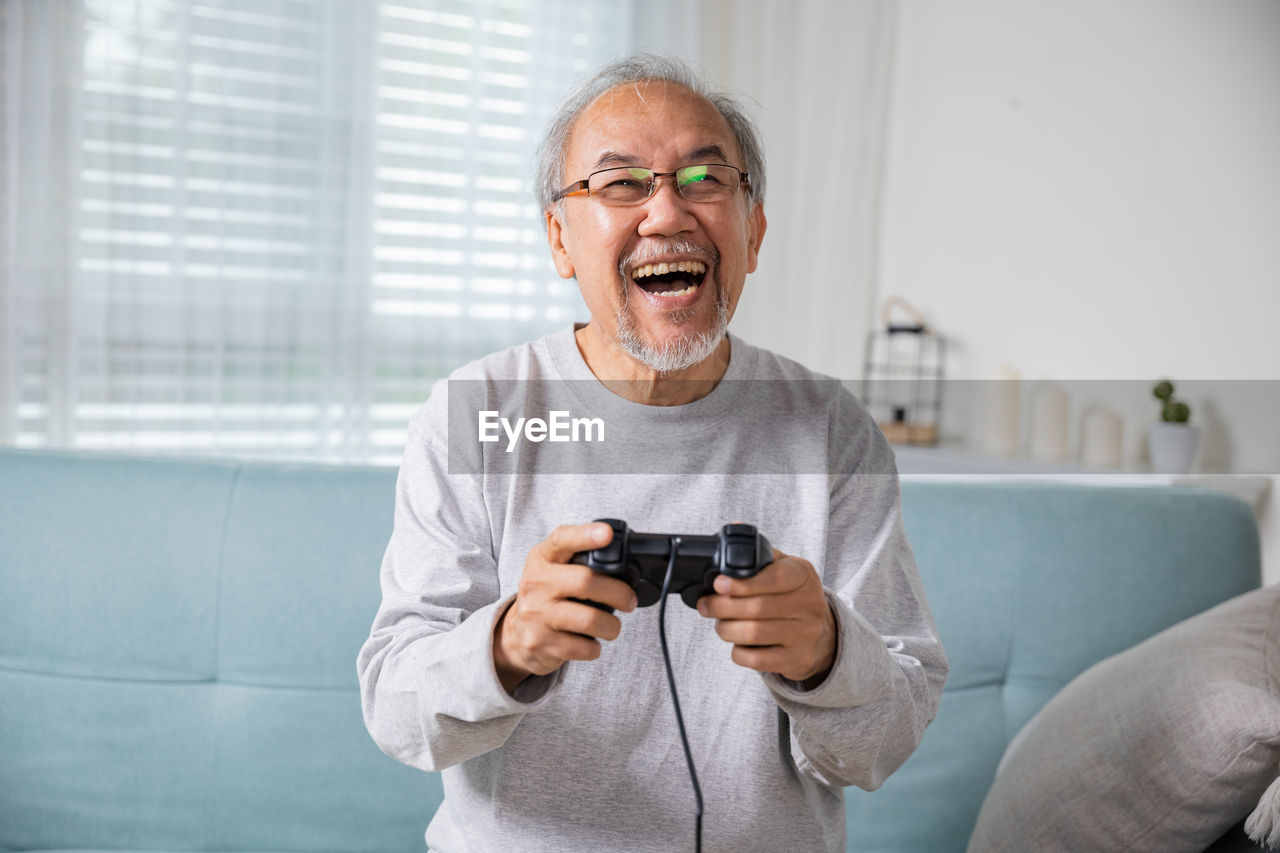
(783, 575)
(560, 581)
(568, 539)
(562, 646)
(758, 632)
(575, 617)
(606, 590)
(764, 658)
(545, 583)
(785, 605)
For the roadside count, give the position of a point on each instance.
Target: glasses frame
(584, 186)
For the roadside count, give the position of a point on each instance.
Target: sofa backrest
(177, 658)
(1030, 584)
(178, 639)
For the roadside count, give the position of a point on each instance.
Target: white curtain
(821, 72)
(263, 227)
(37, 172)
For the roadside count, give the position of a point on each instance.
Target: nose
(666, 212)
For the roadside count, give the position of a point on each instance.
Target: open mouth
(670, 279)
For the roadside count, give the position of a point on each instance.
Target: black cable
(671, 680)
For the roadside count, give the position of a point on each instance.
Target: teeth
(690, 289)
(697, 267)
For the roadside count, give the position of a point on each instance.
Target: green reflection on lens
(691, 174)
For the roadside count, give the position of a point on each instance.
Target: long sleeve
(867, 717)
(429, 690)
(548, 768)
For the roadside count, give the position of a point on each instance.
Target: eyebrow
(708, 151)
(702, 153)
(615, 158)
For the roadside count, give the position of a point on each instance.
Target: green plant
(1172, 410)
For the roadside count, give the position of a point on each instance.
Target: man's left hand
(778, 621)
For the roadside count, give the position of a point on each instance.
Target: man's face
(661, 126)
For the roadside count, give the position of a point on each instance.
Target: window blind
(278, 221)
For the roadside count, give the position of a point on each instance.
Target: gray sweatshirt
(588, 758)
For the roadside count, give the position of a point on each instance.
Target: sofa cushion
(177, 658)
(1163, 747)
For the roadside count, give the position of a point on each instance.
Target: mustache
(655, 249)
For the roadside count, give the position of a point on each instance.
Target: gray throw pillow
(1163, 747)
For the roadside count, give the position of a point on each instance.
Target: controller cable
(671, 680)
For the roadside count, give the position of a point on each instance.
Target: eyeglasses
(628, 185)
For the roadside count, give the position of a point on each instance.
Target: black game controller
(640, 560)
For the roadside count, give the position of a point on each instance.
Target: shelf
(922, 464)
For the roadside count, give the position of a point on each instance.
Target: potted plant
(1172, 441)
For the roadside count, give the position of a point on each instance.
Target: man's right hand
(543, 627)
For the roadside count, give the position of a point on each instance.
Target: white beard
(679, 354)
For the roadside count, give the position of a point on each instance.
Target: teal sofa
(178, 637)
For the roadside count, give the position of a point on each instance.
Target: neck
(635, 381)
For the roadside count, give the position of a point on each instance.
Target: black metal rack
(904, 366)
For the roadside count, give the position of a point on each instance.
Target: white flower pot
(1172, 447)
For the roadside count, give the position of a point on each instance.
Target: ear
(555, 239)
(756, 225)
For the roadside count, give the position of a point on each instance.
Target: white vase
(1172, 447)
(1100, 438)
(1048, 434)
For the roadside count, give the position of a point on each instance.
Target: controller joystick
(640, 560)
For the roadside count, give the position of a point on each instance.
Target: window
(264, 228)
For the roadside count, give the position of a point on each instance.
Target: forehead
(648, 122)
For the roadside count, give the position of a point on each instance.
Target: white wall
(1082, 191)
(1091, 190)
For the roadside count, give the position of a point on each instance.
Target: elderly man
(551, 718)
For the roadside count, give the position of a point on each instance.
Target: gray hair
(639, 68)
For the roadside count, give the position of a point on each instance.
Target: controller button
(610, 554)
(740, 530)
(690, 594)
(740, 555)
(647, 593)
